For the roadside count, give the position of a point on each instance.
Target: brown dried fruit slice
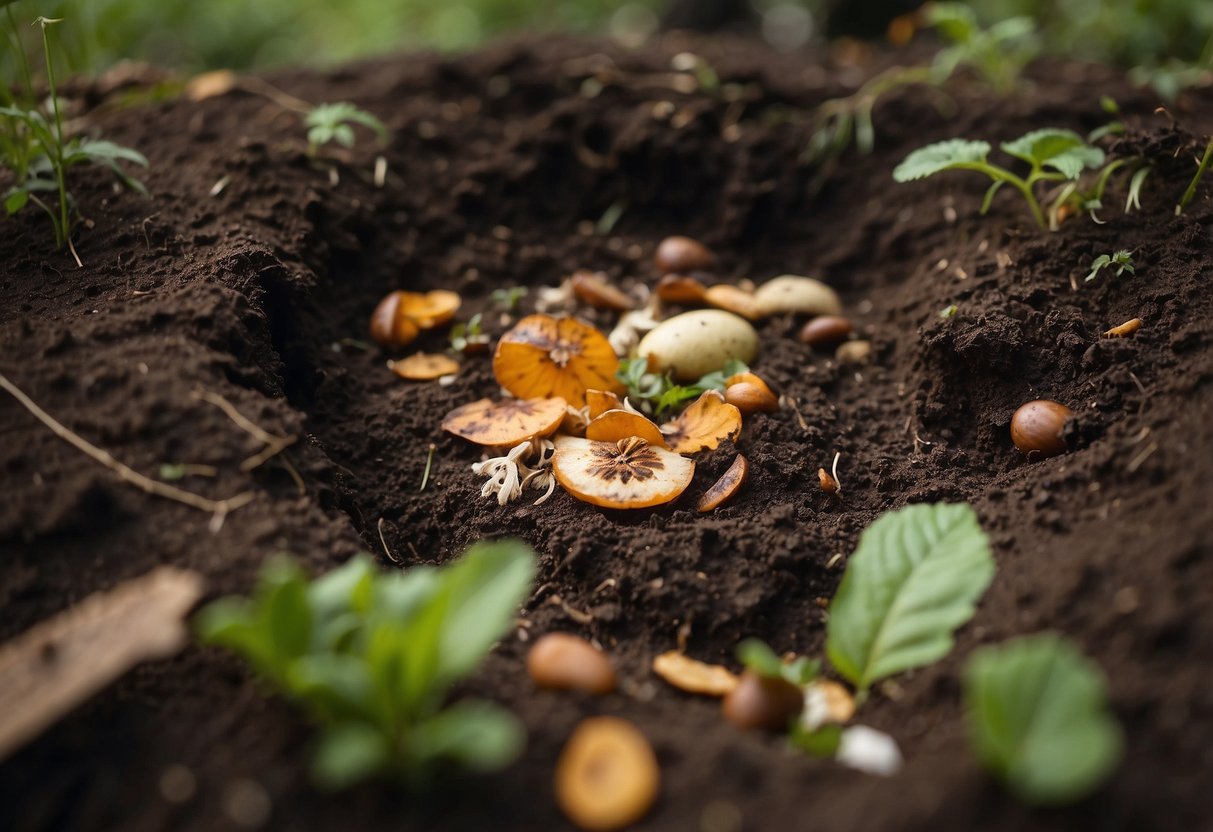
(545, 356)
(486, 422)
(703, 425)
(615, 425)
(728, 485)
(694, 676)
(607, 776)
(431, 309)
(732, 299)
(682, 289)
(629, 473)
(424, 366)
(389, 327)
(593, 288)
(600, 401)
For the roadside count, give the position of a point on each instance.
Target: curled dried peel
(704, 425)
(694, 676)
(729, 484)
(486, 422)
(681, 288)
(733, 299)
(594, 289)
(545, 356)
(430, 309)
(600, 401)
(629, 473)
(424, 366)
(614, 425)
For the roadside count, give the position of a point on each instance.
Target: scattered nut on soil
(765, 702)
(607, 776)
(1036, 428)
(750, 394)
(1127, 328)
(627, 474)
(693, 344)
(826, 331)
(854, 352)
(828, 484)
(682, 255)
(724, 488)
(424, 366)
(508, 422)
(694, 676)
(802, 295)
(562, 661)
(594, 289)
(681, 289)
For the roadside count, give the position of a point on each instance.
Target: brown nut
(853, 352)
(766, 702)
(562, 661)
(828, 484)
(1036, 428)
(681, 255)
(390, 328)
(607, 775)
(681, 289)
(750, 394)
(826, 331)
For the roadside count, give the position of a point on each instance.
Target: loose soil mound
(501, 163)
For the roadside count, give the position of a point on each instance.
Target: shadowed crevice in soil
(500, 165)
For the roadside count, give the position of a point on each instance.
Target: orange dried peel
(424, 366)
(594, 289)
(704, 425)
(486, 422)
(544, 356)
(615, 425)
(431, 309)
(694, 676)
(629, 473)
(681, 289)
(749, 393)
(600, 401)
(723, 489)
(733, 299)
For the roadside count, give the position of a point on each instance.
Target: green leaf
(955, 21)
(913, 580)
(479, 736)
(97, 151)
(929, 160)
(282, 608)
(347, 753)
(1062, 150)
(334, 687)
(759, 658)
(15, 200)
(820, 742)
(343, 589)
(1038, 718)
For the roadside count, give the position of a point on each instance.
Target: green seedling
(1206, 161)
(1122, 260)
(760, 659)
(1115, 127)
(998, 54)
(371, 657)
(1054, 156)
(469, 337)
(36, 151)
(335, 122)
(949, 312)
(507, 300)
(1075, 198)
(1038, 719)
(654, 393)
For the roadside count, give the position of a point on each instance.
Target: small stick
(274, 444)
(219, 509)
(429, 461)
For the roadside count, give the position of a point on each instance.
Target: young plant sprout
(629, 473)
(999, 54)
(335, 122)
(1206, 161)
(470, 337)
(507, 300)
(653, 392)
(542, 356)
(1073, 198)
(1064, 151)
(1122, 260)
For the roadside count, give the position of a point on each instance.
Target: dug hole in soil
(501, 163)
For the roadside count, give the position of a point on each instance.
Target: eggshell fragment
(800, 295)
(625, 474)
(607, 776)
(562, 661)
(693, 344)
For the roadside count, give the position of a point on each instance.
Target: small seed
(1127, 328)
(562, 661)
(681, 289)
(828, 484)
(826, 331)
(607, 776)
(682, 255)
(593, 288)
(694, 676)
(1036, 428)
(762, 702)
(749, 397)
(728, 485)
(854, 352)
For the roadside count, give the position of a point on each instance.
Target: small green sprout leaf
(1038, 718)
(760, 659)
(952, 154)
(1063, 150)
(652, 392)
(1122, 259)
(820, 742)
(913, 580)
(332, 122)
(507, 300)
(948, 312)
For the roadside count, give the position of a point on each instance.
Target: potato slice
(486, 422)
(607, 776)
(704, 425)
(629, 473)
(424, 366)
(615, 425)
(545, 356)
(694, 676)
(729, 484)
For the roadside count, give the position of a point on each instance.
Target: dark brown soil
(501, 163)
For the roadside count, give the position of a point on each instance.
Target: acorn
(682, 255)
(562, 661)
(826, 331)
(1036, 428)
(766, 702)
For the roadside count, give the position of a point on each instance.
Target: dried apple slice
(725, 487)
(544, 356)
(629, 473)
(694, 676)
(615, 425)
(600, 401)
(593, 288)
(732, 299)
(703, 425)
(431, 309)
(424, 366)
(486, 422)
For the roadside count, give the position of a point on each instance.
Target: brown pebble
(563, 661)
(682, 255)
(826, 331)
(765, 702)
(1036, 428)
